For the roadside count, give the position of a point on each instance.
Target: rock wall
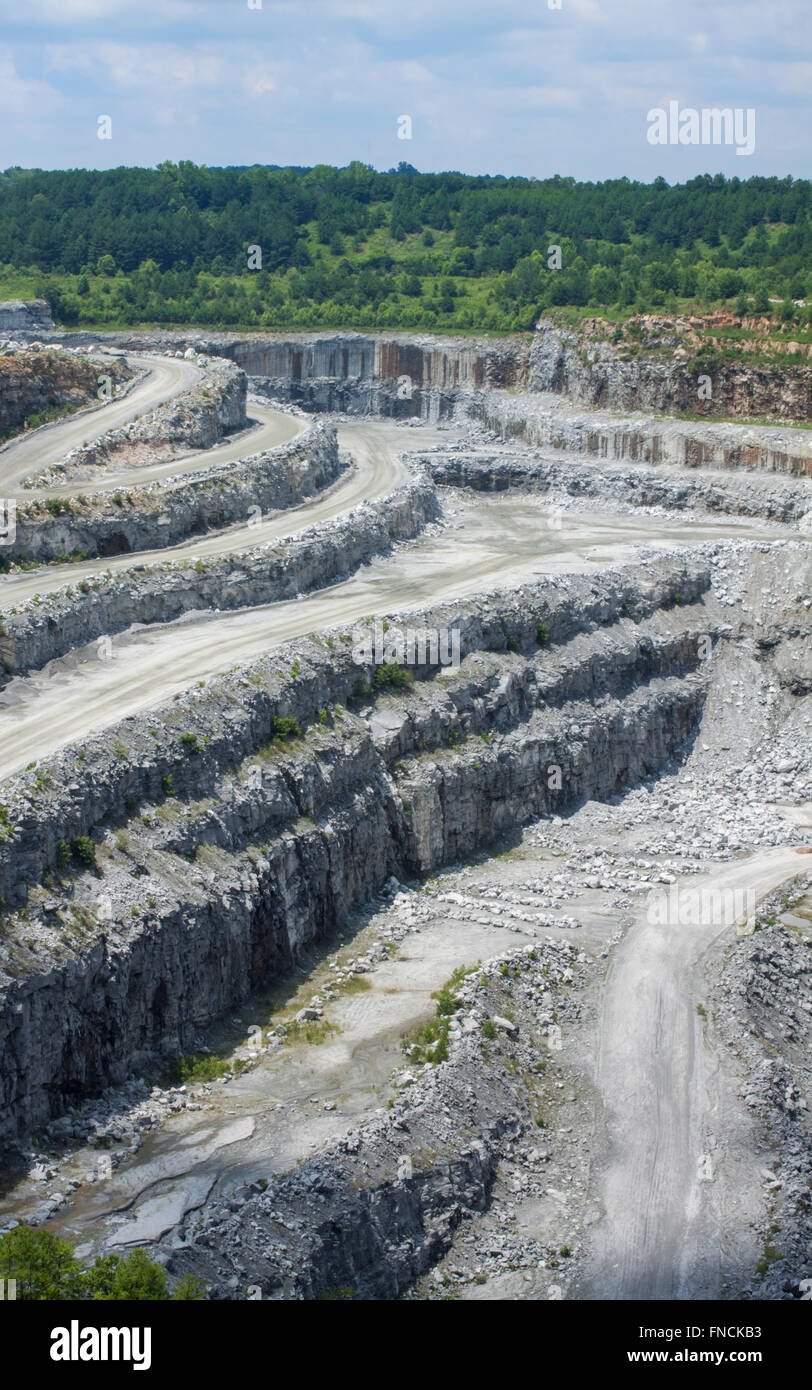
(636, 487)
(296, 834)
(39, 632)
(546, 422)
(596, 375)
(762, 1005)
(395, 376)
(25, 315)
(46, 383)
(421, 375)
(165, 513)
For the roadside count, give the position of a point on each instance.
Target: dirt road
(671, 1204)
(165, 378)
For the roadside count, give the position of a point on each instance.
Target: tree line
(340, 247)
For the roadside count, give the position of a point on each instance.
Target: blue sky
(491, 86)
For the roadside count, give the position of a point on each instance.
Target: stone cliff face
(46, 383)
(25, 315)
(595, 374)
(236, 850)
(486, 471)
(764, 1005)
(545, 421)
(405, 375)
(400, 375)
(393, 376)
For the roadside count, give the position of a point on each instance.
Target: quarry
(406, 812)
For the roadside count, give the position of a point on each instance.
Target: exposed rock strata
(165, 513)
(487, 471)
(548, 422)
(25, 315)
(49, 383)
(419, 376)
(38, 632)
(595, 374)
(379, 1207)
(762, 1005)
(300, 838)
(423, 375)
(398, 376)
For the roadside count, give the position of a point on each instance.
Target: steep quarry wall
(422, 375)
(399, 375)
(487, 471)
(165, 513)
(237, 847)
(41, 630)
(546, 422)
(25, 315)
(595, 374)
(36, 384)
(394, 376)
(762, 1003)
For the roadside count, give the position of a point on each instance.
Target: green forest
(357, 248)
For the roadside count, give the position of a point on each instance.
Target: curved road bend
(166, 378)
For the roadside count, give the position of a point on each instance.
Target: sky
(530, 87)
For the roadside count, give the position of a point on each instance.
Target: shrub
(390, 675)
(285, 728)
(45, 1267)
(85, 850)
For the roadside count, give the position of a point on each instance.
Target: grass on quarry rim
(476, 309)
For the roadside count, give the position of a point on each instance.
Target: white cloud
(259, 83)
(483, 81)
(137, 66)
(74, 12)
(25, 99)
(415, 72)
